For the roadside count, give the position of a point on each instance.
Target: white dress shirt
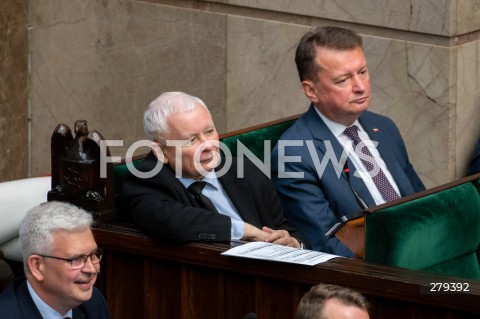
(338, 130)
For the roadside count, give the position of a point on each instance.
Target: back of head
(332, 38)
(156, 116)
(41, 221)
(313, 302)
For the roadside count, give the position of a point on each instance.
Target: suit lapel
(377, 134)
(25, 302)
(322, 134)
(77, 313)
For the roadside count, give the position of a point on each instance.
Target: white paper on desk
(273, 252)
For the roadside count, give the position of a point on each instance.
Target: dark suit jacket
(317, 201)
(16, 303)
(163, 208)
(474, 166)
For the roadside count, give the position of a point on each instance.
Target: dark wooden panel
(238, 287)
(142, 278)
(272, 304)
(202, 293)
(162, 289)
(123, 284)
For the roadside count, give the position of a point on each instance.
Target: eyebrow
(80, 255)
(365, 66)
(187, 137)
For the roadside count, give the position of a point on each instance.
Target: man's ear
(157, 150)
(36, 266)
(309, 90)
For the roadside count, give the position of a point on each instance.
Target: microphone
(331, 232)
(250, 315)
(359, 199)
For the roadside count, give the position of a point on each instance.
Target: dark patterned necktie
(202, 200)
(381, 181)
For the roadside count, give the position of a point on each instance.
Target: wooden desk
(143, 279)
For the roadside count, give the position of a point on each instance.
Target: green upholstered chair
(253, 138)
(438, 233)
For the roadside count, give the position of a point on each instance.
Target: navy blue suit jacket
(474, 166)
(16, 303)
(317, 201)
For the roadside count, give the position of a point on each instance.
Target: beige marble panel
(467, 112)
(105, 61)
(465, 16)
(411, 85)
(262, 80)
(416, 15)
(13, 90)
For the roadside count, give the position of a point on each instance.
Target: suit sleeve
(276, 211)
(474, 166)
(307, 207)
(162, 211)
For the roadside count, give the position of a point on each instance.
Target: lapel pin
(375, 130)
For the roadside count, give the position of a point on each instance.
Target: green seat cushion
(436, 233)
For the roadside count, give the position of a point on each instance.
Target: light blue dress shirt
(46, 311)
(215, 192)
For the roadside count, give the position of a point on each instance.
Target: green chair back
(439, 233)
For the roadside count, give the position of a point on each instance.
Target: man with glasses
(61, 262)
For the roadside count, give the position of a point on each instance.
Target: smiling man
(338, 158)
(61, 262)
(194, 196)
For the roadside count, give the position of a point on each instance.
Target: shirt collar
(210, 178)
(336, 128)
(46, 311)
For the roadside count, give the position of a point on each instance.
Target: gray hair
(41, 221)
(156, 116)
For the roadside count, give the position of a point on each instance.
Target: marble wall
(14, 117)
(104, 61)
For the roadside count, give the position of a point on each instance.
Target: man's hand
(268, 235)
(252, 233)
(280, 237)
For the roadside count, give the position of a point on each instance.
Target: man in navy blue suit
(338, 157)
(61, 261)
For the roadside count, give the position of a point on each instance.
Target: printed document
(274, 252)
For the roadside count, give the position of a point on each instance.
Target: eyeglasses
(80, 261)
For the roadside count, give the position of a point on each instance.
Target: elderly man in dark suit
(326, 167)
(182, 191)
(61, 261)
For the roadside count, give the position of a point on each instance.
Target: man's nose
(358, 84)
(90, 267)
(209, 143)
